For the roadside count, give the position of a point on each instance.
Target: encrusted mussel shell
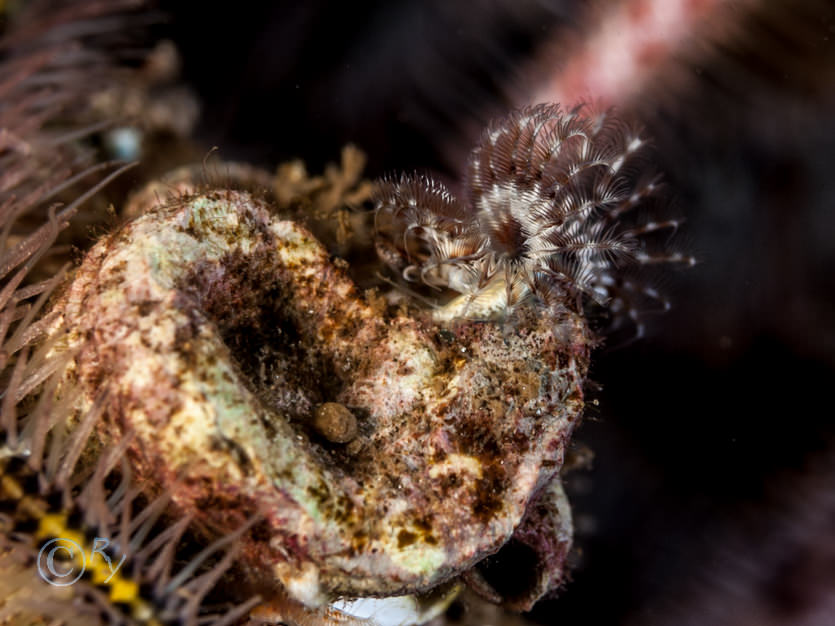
(212, 333)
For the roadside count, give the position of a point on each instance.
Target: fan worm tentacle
(555, 208)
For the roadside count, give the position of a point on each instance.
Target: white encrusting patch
(395, 611)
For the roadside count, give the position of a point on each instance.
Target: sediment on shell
(215, 332)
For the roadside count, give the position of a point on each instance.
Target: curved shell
(216, 330)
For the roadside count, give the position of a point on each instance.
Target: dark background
(709, 500)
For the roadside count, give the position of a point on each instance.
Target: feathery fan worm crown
(554, 209)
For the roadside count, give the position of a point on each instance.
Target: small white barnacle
(559, 206)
